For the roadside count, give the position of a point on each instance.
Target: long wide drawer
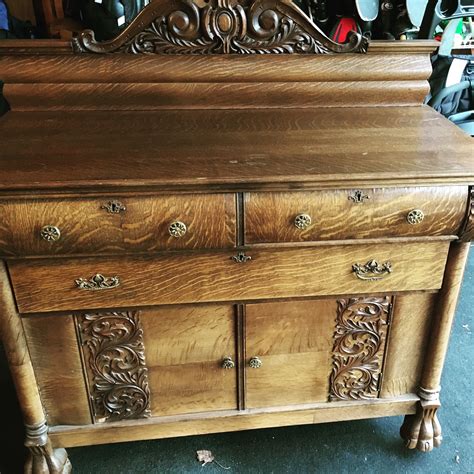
(110, 225)
(303, 216)
(68, 284)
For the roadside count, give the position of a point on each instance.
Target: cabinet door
(185, 349)
(293, 341)
(159, 361)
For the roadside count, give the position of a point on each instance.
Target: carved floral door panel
(160, 361)
(315, 351)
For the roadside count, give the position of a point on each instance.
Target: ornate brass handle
(50, 233)
(255, 362)
(241, 258)
(114, 207)
(372, 270)
(415, 216)
(303, 221)
(177, 229)
(228, 363)
(98, 282)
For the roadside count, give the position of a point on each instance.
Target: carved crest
(359, 345)
(220, 27)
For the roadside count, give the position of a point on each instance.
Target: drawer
(101, 225)
(170, 278)
(354, 214)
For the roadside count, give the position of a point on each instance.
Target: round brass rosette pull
(50, 233)
(255, 362)
(177, 229)
(302, 221)
(415, 216)
(228, 363)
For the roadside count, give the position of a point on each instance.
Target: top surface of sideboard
(231, 149)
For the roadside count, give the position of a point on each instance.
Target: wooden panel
(191, 278)
(185, 347)
(86, 227)
(167, 427)
(234, 149)
(56, 360)
(219, 69)
(294, 342)
(66, 97)
(411, 322)
(270, 217)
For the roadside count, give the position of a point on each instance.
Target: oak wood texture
(248, 81)
(185, 347)
(409, 331)
(258, 149)
(42, 457)
(204, 277)
(294, 342)
(219, 422)
(270, 217)
(88, 228)
(54, 349)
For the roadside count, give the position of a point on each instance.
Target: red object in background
(342, 29)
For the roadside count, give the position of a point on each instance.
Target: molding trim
(359, 346)
(115, 354)
(220, 27)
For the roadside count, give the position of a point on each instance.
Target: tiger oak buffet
(199, 238)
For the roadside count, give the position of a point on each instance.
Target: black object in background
(109, 17)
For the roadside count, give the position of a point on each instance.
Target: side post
(42, 458)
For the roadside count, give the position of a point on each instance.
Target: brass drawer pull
(415, 216)
(50, 233)
(228, 363)
(372, 270)
(98, 282)
(177, 229)
(241, 258)
(255, 362)
(114, 207)
(358, 196)
(303, 221)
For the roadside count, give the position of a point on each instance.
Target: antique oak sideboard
(199, 238)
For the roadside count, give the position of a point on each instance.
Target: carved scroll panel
(220, 27)
(359, 344)
(114, 356)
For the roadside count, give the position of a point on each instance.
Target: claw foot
(422, 431)
(42, 458)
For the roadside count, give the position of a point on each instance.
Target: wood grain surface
(219, 422)
(411, 322)
(184, 348)
(54, 350)
(270, 217)
(49, 285)
(193, 149)
(294, 342)
(86, 227)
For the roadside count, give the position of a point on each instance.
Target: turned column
(422, 430)
(42, 458)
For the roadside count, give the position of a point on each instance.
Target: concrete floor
(346, 447)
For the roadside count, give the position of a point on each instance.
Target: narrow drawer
(69, 284)
(101, 225)
(354, 214)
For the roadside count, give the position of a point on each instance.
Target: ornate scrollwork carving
(220, 27)
(114, 349)
(359, 345)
